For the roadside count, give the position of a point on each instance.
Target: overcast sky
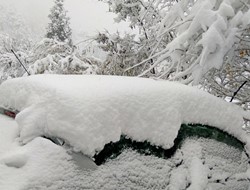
(87, 16)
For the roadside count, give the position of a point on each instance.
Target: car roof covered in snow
(91, 111)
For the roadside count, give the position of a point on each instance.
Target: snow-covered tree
(122, 52)
(191, 41)
(233, 79)
(14, 35)
(142, 16)
(14, 32)
(59, 26)
(185, 39)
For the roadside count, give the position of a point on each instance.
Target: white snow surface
(91, 111)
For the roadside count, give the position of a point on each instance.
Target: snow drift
(91, 111)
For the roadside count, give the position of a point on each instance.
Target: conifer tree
(59, 28)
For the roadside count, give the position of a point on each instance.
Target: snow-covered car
(107, 132)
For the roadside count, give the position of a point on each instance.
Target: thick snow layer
(41, 164)
(90, 111)
(198, 174)
(40, 160)
(131, 170)
(8, 131)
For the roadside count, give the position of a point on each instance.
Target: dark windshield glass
(112, 150)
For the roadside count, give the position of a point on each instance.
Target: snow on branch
(211, 33)
(190, 37)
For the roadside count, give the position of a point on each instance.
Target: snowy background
(174, 62)
(87, 16)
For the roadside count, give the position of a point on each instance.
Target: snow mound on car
(91, 111)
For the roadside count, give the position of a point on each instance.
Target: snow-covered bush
(50, 47)
(10, 67)
(78, 65)
(122, 52)
(14, 35)
(52, 56)
(56, 64)
(48, 56)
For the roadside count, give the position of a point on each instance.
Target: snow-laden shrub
(52, 56)
(122, 52)
(48, 56)
(56, 64)
(10, 67)
(77, 65)
(50, 47)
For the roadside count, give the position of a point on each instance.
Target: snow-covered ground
(91, 111)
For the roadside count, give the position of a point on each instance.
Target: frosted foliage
(232, 77)
(52, 56)
(74, 65)
(54, 64)
(128, 50)
(58, 27)
(209, 35)
(184, 39)
(203, 42)
(50, 47)
(47, 56)
(14, 33)
(10, 67)
(122, 52)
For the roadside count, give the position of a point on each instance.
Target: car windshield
(198, 162)
(112, 150)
